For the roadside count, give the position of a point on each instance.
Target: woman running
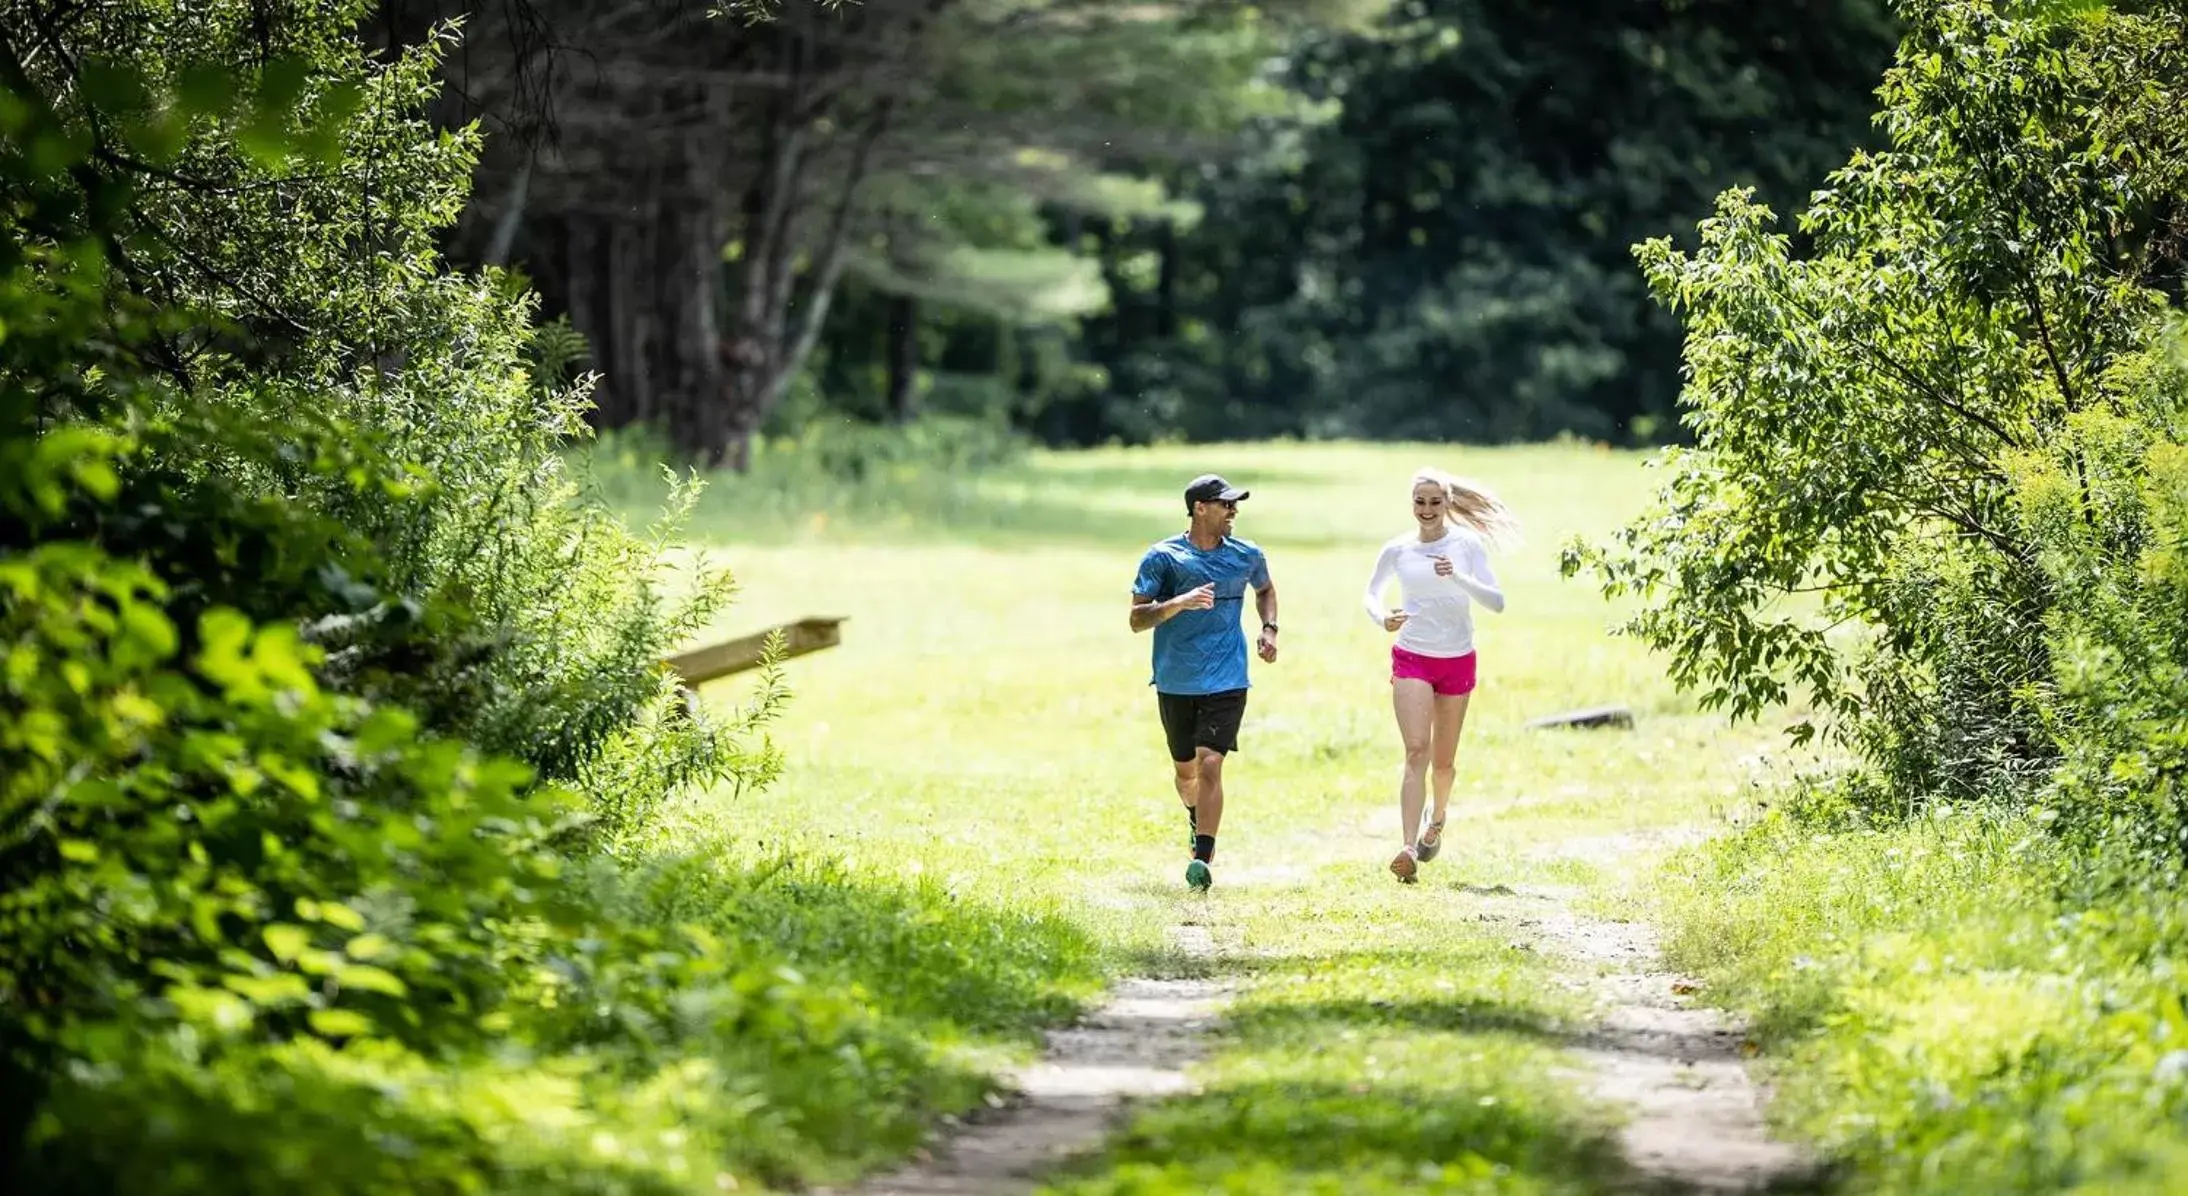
(1443, 567)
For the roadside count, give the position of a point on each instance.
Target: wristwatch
(1268, 627)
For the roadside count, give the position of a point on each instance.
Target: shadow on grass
(1459, 1015)
(1309, 1136)
(1467, 1104)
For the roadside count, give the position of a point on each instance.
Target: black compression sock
(1204, 847)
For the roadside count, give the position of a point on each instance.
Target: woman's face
(1429, 501)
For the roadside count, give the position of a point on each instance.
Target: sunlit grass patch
(1945, 1011)
(985, 736)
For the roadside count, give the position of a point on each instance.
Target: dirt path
(1694, 1116)
(1136, 1046)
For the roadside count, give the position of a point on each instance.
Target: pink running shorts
(1449, 676)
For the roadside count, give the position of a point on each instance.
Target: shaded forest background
(1095, 222)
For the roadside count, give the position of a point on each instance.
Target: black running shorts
(1194, 721)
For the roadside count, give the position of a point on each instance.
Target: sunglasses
(1228, 504)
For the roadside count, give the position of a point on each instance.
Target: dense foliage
(1195, 218)
(334, 739)
(1936, 484)
(1433, 242)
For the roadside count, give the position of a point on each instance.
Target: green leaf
(225, 633)
(280, 988)
(280, 656)
(205, 89)
(340, 916)
(387, 728)
(286, 940)
(369, 946)
(55, 150)
(115, 88)
(281, 84)
(210, 1007)
(267, 135)
(368, 978)
(297, 778)
(157, 138)
(340, 1023)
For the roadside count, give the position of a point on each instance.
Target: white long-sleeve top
(1439, 615)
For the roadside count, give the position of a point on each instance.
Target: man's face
(1217, 514)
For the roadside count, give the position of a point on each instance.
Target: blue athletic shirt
(1201, 651)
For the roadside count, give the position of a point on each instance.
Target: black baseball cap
(1210, 488)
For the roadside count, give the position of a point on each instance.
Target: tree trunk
(752, 349)
(762, 354)
(512, 217)
(904, 359)
(686, 364)
(629, 318)
(1166, 282)
(581, 273)
(641, 290)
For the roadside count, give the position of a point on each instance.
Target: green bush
(2108, 508)
(279, 190)
(333, 730)
(1939, 488)
(1922, 451)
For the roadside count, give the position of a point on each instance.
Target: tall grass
(1950, 1004)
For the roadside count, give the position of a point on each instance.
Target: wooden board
(1594, 716)
(701, 665)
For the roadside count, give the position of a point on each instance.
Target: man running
(1191, 589)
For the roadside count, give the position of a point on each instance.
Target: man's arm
(1265, 604)
(1148, 612)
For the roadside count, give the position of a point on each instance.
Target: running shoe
(1404, 866)
(1431, 841)
(1198, 875)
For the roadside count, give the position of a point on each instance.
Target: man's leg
(1208, 772)
(1215, 734)
(1178, 723)
(1187, 779)
(1208, 801)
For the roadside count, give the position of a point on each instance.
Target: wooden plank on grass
(701, 665)
(1594, 716)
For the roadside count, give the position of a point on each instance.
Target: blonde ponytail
(1472, 504)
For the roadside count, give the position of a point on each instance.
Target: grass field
(977, 830)
(985, 740)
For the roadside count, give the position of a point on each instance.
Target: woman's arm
(1472, 573)
(1386, 567)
